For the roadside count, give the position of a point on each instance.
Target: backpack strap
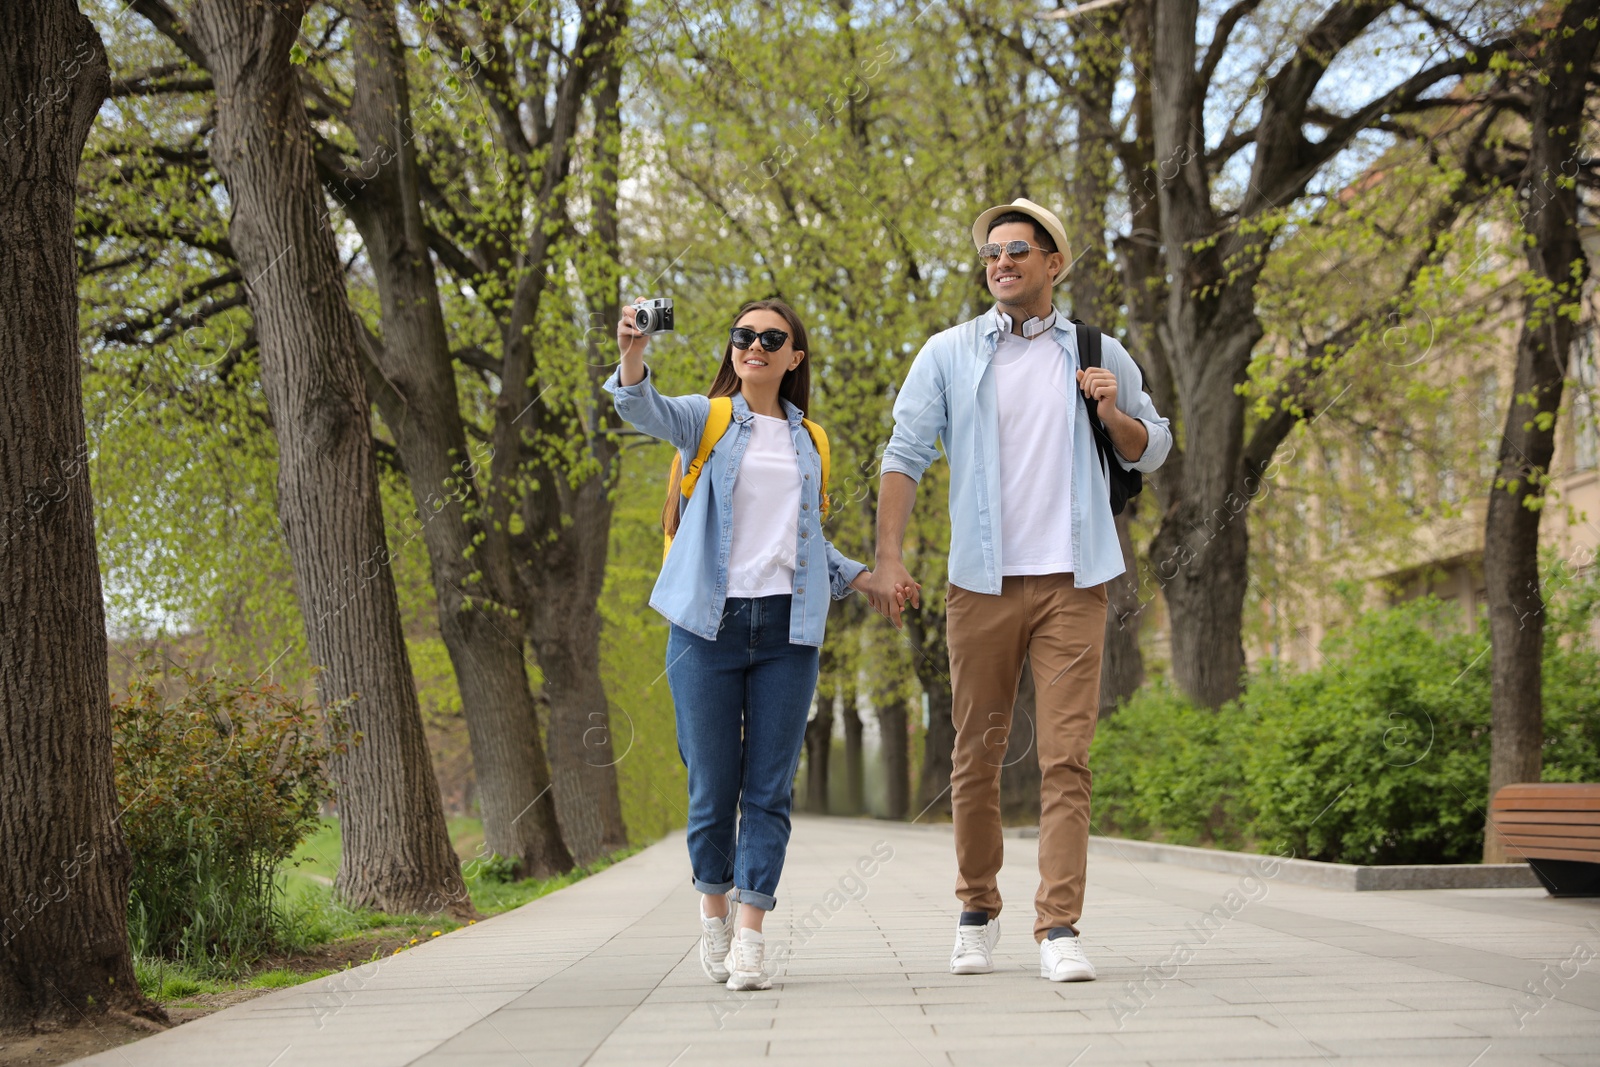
(1122, 484)
(716, 425)
(819, 438)
(1088, 344)
(717, 422)
(1089, 356)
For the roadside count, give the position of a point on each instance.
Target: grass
(170, 982)
(321, 935)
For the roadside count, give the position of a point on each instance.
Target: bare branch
(1442, 26)
(452, 258)
(1288, 160)
(1291, 402)
(126, 330)
(167, 22)
(160, 79)
(105, 224)
(477, 357)
(493, 81)
(1219, 40)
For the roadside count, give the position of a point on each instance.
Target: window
(1369, 457)
(1585, 399)
(1405, 476)
(1332, 508)
(1445, 449)
(1489, 423)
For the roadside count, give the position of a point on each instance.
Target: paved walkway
(1196, 968)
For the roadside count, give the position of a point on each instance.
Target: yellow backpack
(681, 483)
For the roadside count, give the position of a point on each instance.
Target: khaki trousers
(1060, 629)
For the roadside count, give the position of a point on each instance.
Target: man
(1032, 544)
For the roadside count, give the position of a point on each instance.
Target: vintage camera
(654, 316)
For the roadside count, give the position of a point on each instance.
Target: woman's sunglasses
(743, 337)
(1017, 250)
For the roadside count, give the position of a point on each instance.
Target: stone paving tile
(605, 973)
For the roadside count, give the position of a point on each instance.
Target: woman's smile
(756, 364)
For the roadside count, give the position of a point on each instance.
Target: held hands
(888, 589)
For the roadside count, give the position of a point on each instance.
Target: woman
(743, 587)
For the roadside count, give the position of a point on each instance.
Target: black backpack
(1124, 484)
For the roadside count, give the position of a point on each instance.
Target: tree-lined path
(605, 972)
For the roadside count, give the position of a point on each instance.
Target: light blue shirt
(693, 586)
(949, 398)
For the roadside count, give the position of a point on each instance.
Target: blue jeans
(742, 702)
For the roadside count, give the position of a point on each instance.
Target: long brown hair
(795, 388)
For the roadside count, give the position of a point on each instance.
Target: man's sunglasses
(743, 337)
(1017, 250)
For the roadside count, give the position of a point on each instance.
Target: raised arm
(633, 344)
(679, 419)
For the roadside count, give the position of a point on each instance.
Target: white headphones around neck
(1030, 329)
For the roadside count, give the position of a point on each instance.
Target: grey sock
(974, 918)
(1061, 931)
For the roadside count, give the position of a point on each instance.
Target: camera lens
(641, 319)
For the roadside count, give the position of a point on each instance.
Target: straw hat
(1043, 216)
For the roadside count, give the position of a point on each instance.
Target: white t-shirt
(766, 512)
(1037, 396)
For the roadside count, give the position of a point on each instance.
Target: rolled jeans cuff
(764, 901)
(711, 888)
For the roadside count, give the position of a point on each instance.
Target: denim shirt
(693, 586)
(949, 398)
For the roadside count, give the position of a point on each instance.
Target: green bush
(1378, 756)
(1164, 768)
(219, 779)
(1382, 754)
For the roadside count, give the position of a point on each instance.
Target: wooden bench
(1555, 826)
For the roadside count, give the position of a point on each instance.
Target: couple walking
(748, 577)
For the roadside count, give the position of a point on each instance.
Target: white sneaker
(1062, 960)
(714, 937)
(744, 962)
(974, 951)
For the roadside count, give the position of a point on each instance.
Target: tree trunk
(1210, 328)
(1098, 47)
(414, 384)
(567, 560)
(396, 850)
(1201, 560)
(854, 771)
(563, 522)
(64, 879)
(1557, 259)
(893, 719)
(566, 575)
(926, 632)
(1196, 298)
(1020, 777)
(819, 745)
(1122, 666)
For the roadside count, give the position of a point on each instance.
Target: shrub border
(1347, 877)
